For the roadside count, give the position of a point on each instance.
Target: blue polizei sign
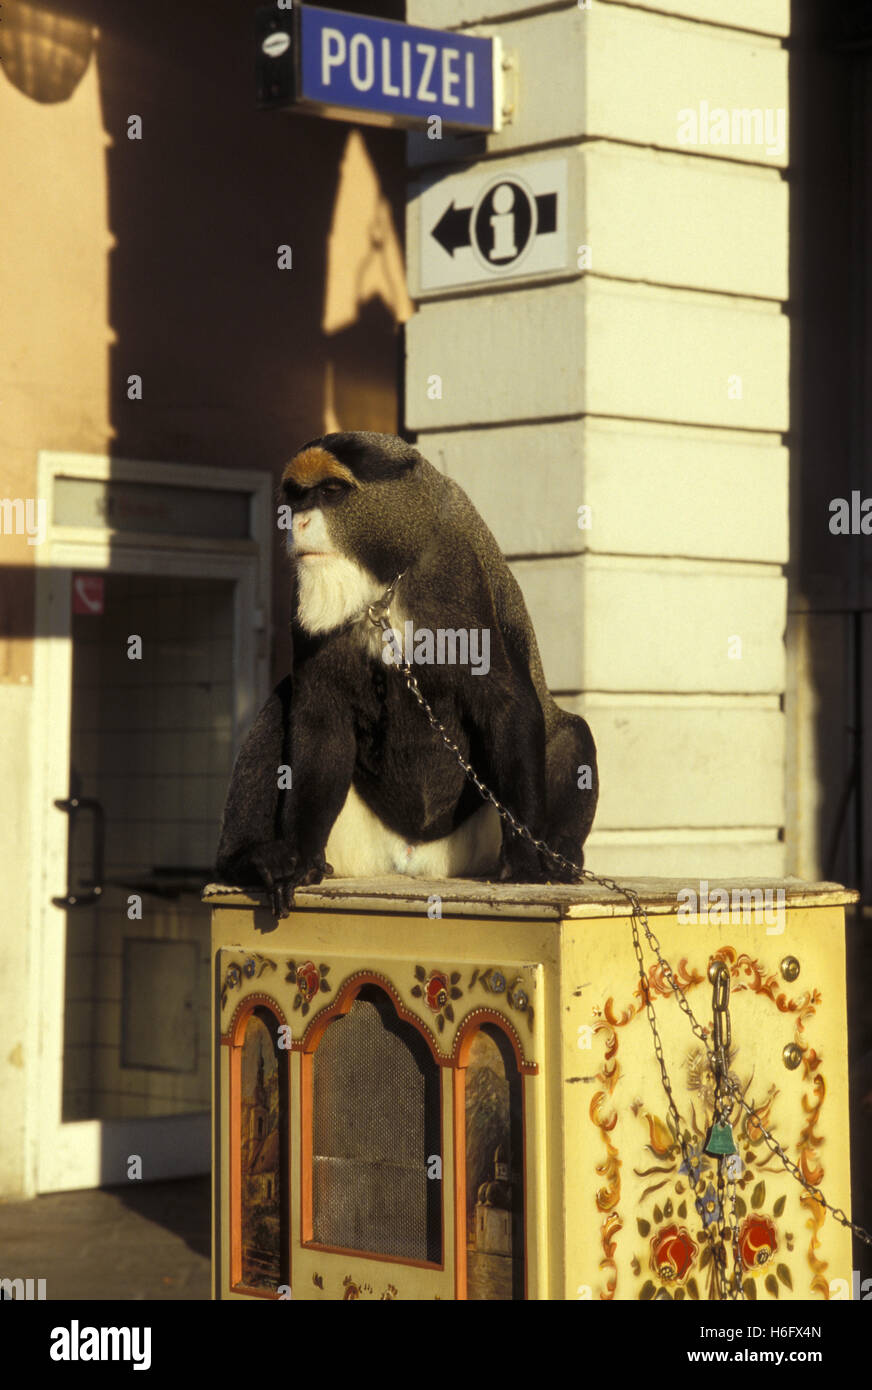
(376, 71)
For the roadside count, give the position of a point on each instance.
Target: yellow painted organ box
(450, 1090)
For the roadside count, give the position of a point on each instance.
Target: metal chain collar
(379, 615)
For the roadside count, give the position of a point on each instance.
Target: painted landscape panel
(260, 1153)
(494, 1179)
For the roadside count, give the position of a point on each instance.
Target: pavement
(153, 1242)
(148, 1242)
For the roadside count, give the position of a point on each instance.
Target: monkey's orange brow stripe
(312, 466)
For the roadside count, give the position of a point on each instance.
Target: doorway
(150, 758)
(152, 667)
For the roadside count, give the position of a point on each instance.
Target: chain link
(737, 1290)
(721, 1039)
(379, 615)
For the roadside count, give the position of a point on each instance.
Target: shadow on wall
(45, 53)
(156, 261)
(830, 626)
(239, 361)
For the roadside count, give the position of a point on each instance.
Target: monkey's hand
(282, 871)
(521, 862)
(571, 850)
(558, 873)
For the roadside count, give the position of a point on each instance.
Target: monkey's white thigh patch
(360, 845)
(468, 852)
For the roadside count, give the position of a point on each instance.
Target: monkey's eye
(332, 488)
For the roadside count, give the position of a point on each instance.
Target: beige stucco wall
(652, 386)
(159, 257)
(53, 366)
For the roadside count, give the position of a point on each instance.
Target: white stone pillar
(645, 379)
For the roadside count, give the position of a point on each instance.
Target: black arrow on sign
(452, 229)
(546, 213)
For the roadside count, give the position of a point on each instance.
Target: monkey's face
(342, 499)
(331, 587)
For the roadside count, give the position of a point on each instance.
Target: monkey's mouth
(313, 554)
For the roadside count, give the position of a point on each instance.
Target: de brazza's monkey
(373, 789)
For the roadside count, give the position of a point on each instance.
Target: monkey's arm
(277, 837)
(456, 584)
(511, 733)
(509, 708)
(568, 745)
(322, 751)
(251, 848)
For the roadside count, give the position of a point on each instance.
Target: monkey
(371, 786)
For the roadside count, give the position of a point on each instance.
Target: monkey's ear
(373, 457)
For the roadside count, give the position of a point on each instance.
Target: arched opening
(259, 1155)
(489, 1133)
(375, 1125)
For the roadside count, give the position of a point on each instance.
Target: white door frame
(75, 1154)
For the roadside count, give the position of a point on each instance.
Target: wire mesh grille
(376, 1124)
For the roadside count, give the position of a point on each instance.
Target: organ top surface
(478, 898)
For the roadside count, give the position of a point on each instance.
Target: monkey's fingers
(284, 897)
(556, 872)
(312, 875)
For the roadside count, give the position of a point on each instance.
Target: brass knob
(792, 1056)
(790, 967)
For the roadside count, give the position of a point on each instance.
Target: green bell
(720, 1140)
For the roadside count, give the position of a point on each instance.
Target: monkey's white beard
(332, 589)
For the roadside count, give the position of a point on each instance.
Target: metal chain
(680, 1135)
(736, 1288)
(379, 614)
(734, 1228)
(719, 976)
(717, 1248)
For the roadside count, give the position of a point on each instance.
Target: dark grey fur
(343, 716)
